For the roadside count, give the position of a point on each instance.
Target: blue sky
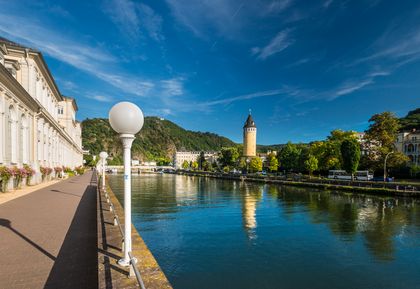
(303, 67)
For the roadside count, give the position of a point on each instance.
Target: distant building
(409, 144)
(191, 156)
(38, 125)
(250, 138)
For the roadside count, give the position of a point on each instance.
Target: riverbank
(110, 250)
(376, 188)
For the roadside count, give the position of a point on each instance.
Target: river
(210, 233)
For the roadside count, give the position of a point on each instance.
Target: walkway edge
(152, 274)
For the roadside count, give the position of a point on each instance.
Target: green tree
(379, 141)
(185, 165)
(255, 165)
(194, 165)
(311, 164)
(201, 159)
(289, 156)
(242, 164)
(228, 156)
(273, 163)
(350, 153)
(89, 161)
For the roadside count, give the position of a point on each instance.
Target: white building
(38, 125)
(409, 144)
(182, 156)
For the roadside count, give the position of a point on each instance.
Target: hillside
(411, 121)
(158, 139)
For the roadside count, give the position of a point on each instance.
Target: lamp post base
(124, 262)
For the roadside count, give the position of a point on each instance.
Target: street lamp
(247, 165)
(126, 119)
(386, 158)
(103, 156)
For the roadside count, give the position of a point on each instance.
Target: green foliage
(89, 161)
(185, 165)
(380, 138)
(411, 121)
(289, 156)
(328, 152)
(194, 165)
(228, 156)
(415, 170)
(311, 164)
(255, 165)
(158, 139)
(350, 153)
(116, 161)
(201, 159)
(273, 163)
(383, 130)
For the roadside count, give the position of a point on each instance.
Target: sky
(303, 68)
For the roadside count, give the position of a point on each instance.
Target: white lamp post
(103, 156)
(126, 119)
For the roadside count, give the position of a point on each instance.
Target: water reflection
(251, 195)
(205, 231)
(378, 220)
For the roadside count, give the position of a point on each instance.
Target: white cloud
(259, 94)
(277, 44)
(93, 60)
(230, 19)
(101, 98)
(172, 87)
(132, 18)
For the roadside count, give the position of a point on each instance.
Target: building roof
(249, 122)
(10, 43)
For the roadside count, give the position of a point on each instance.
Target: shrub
(5, 175)
(80, 170)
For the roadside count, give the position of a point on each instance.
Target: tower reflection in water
(250, 195)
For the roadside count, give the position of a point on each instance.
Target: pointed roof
(249, 122)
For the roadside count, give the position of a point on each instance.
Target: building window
(13, 134)
(60, 110)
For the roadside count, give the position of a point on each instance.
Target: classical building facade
(250, 138)
(409, 144)
(190, 156)
(38, 125)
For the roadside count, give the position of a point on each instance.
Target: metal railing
(134, 271)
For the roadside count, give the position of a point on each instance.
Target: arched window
(13, 134)
(25, 139)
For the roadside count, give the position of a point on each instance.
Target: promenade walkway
(48, 238)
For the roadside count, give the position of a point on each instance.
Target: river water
(209, 233)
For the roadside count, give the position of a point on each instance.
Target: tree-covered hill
(411, 121)
(158, 139)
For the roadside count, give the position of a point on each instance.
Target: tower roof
(249, 122)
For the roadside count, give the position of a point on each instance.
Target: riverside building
(190, 156)
(38, 126)
(409, 144)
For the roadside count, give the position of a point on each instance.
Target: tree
(228, 156)
(185, 165)
(350, 153)
(311, 164)
(379, 141)
(194, 165)
(273, 163)
(383, 129)
(289, 156)
(201, 159)
(255, 165)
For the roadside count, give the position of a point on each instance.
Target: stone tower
(250, 137)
